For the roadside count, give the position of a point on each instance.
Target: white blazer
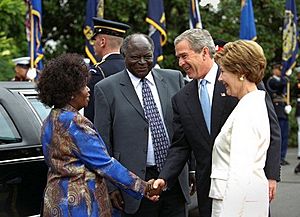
(239, 156)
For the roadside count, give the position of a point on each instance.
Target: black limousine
(23, 172)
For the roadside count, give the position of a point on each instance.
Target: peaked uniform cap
(21, 61)
(219, 43)
(108, 27)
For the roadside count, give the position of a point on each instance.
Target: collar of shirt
(211, 79)
(277, 77)
(106, 55)
(137, 81)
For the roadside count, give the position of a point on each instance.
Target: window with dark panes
(41, 109)
(8, 131)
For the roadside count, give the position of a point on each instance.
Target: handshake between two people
(154, 189)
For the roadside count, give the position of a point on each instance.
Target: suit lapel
(219, 99)
(220, 106)
(162, 90)
(129, 93)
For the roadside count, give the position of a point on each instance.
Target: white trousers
(250, 209)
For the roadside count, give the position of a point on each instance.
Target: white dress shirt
(211, 79)
(137, 84)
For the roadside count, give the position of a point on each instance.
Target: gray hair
(197, 39)
(126, 41)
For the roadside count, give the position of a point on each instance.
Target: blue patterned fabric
(159, 137)
(78, 162)
(205, 103)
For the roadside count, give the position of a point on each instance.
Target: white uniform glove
(288, 109)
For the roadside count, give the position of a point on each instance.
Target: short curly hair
(244, 58)
(62, 78)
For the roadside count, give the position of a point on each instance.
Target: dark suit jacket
(190, 133)
(120, 119)
(113, 63)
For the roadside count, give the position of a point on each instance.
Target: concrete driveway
(287, 201)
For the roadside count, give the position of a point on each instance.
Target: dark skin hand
(157, 191)
(150, 193)
(192, 180)
(117, 199)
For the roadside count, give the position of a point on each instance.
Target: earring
(242, 78)
(72, 97)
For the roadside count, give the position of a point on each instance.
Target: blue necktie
(159, 137)
(205, 103)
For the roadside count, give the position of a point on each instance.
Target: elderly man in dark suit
(133, 113)
(195, 49)
(108, 37)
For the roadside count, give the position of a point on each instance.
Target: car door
(23, 172)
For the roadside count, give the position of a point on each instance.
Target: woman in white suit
(239, 187)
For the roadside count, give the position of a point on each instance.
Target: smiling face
(81, 99)
(232, 82)
(196, 65)
(139, 56)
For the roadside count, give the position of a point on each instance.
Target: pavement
(287, 201)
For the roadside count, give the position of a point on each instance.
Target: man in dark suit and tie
(108, 37)
(195, 50)
(133, 113)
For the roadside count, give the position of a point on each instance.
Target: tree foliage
(63, 21)
(12, 35)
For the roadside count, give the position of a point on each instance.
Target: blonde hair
(244, 58)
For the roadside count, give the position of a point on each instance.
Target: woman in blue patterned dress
(74, 152)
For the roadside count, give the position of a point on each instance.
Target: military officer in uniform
(21, 68)
(23, 72)
(108, 37)
(296, 93)
(276, 86)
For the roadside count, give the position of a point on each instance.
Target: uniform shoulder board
(93, 71)
(102, 61)
(96, 69)
(99, 69)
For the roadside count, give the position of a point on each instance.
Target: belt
(279, 100)
(151, 167)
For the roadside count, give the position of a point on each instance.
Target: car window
(41, 109)
(8, 131)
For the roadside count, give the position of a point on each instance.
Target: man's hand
(117, 199)
(272, 189)
(154, 189)
(159, 185)
(151, 193)
(192, 182)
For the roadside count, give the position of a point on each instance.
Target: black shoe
(284, 163)
(298, 157)
(297, 169)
